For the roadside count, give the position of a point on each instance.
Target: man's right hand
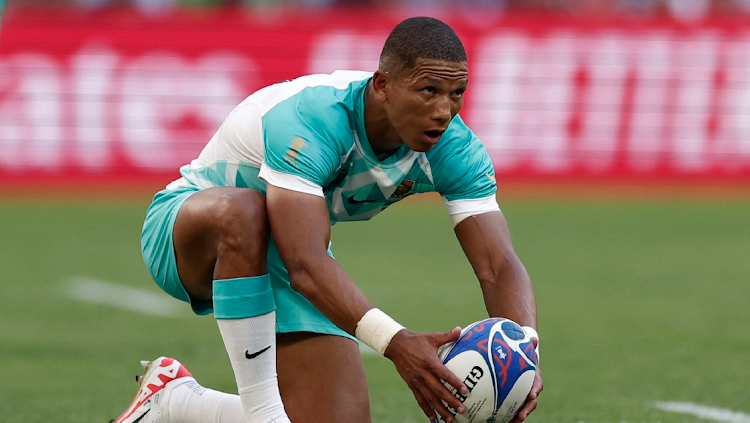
(415, 358)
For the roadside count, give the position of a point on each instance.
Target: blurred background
(647, 90)
(679, 9)
(619, 130)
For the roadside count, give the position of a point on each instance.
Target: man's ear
(380, 81)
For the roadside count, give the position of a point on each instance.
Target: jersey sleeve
(463, 173)
(304, 138)
(289, 181)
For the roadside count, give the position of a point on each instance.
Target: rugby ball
(497, 362)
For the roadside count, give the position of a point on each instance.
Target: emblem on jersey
(403, 190)
(298, 143)
(490, 176)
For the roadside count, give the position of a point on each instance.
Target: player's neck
(384, 141)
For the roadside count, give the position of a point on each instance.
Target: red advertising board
(117, 93)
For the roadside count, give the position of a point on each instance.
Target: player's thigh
(322, 378)
(220, 229)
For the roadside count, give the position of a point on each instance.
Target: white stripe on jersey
(289, 181)
(475, 205)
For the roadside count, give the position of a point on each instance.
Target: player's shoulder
(317, 89)
(324, 101)
(311, 128)
(321, 87)
(337, 90)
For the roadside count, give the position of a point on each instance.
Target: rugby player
(245, 234)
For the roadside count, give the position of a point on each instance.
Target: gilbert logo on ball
(497, 362)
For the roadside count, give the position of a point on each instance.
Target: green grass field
(639, 302)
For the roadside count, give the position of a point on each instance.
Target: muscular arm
(302, 230)
(505, 283)
(506, 286)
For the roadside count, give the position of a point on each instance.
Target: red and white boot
(150, 404)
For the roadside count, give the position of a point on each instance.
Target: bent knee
(240, 209)
(239, 219)
(226, 219)
(220, 233)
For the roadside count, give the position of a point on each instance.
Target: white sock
(251, 345)
(192, 403)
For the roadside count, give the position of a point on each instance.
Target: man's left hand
(531, 400)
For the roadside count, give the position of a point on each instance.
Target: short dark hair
(420, 38)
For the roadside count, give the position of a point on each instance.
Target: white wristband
(376, 329)
(533, 333)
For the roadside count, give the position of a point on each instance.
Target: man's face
(421, 101)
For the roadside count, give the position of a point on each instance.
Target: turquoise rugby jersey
(312, 129)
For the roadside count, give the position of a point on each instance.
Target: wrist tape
(376, 329)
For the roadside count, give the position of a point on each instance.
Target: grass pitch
(639, 303)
